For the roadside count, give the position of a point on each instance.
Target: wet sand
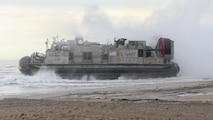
(163, 101)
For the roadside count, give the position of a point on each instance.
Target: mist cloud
(180, 21)
(97, 25)
(193, 40)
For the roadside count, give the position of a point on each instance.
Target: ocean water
(13, 83)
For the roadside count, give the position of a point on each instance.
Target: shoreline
(19, 109)
(174, 101)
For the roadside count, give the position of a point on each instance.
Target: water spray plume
(183, 21)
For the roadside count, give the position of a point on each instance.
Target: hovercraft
(73, 59)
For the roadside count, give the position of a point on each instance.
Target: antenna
(108, 41)
(55, 39)
(47, 43)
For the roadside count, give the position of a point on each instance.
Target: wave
(12, 82)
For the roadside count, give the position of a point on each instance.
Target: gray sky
(26, 24)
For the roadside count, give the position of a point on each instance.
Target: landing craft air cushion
(73, 59)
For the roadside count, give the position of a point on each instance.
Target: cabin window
(148, 53)
(70, 56)
(87, 56)
(105, 57)
(56, 55)
(140, 53)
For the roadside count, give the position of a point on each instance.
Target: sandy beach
(163, 101)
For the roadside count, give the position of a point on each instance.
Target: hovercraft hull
(101, 71)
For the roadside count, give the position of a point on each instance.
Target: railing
(37, 58)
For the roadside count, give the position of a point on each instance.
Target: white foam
(193, 94)
(48, 81)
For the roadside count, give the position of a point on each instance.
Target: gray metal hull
(106, 71)
(102, 71)
(115, 71)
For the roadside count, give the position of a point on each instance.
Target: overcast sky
(26, 24)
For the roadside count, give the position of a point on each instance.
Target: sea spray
(184, 21)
